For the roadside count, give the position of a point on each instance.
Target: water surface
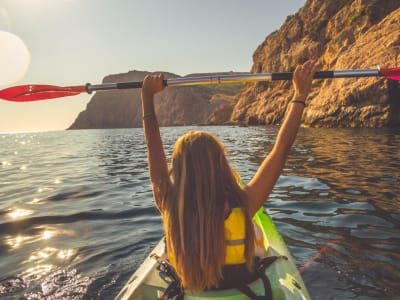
(77, 215)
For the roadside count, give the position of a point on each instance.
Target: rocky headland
(341, 34)
(346, 34)
(175, 106)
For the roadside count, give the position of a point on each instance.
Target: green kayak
(286, 282)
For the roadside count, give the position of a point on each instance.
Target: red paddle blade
(35, 92)
(391, 73)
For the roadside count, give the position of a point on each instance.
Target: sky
(73, 42)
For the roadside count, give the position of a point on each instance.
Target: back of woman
(197, 205)
(195, 196)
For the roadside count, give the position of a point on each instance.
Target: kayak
(286, 281)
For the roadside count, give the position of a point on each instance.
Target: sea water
(77, 215)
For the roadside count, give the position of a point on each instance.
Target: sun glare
(14, 58)
(17, 241)
(19, 213)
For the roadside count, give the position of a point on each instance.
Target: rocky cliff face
(342, 34)
(174, 106)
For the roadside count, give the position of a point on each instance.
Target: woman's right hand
(302, 78)
(152, 84)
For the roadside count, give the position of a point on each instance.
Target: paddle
(34, 92)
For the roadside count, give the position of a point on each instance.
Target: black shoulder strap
(249, 293)
(263, 263)
(174, 291)
(261, 266)
(267, 289)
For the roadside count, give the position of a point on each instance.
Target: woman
(206, 213)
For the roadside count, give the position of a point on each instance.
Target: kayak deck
(286, 282)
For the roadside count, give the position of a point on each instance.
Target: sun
(14, 58)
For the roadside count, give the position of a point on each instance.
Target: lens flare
(14, 58)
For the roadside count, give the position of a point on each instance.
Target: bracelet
(299, 101)
(148, 116)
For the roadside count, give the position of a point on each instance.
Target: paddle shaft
(35, 92)
(234, 78)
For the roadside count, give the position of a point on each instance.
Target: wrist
(299, 102)
(149, 116)
(300, 96)
(299, 99)
(147, 94)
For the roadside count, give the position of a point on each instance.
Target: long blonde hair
(201, 181)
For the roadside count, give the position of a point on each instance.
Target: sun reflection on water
(66, 254)
(49, 253)
(45, 233)
(18, 241)
(42, 254)
(43, 189)
(37, 272)
(5, 163)
(44, 262)
(18, 213)
(36, 201)
(48, 234)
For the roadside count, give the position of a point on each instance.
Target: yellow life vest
(235, 234)
(234, 237)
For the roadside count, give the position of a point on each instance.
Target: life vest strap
(261, 265)
(175, 291)
(237, 242)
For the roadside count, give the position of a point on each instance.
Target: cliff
(342, 34)
(211, 104)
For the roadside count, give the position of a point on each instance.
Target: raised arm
(158, 167)
(261, 185)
